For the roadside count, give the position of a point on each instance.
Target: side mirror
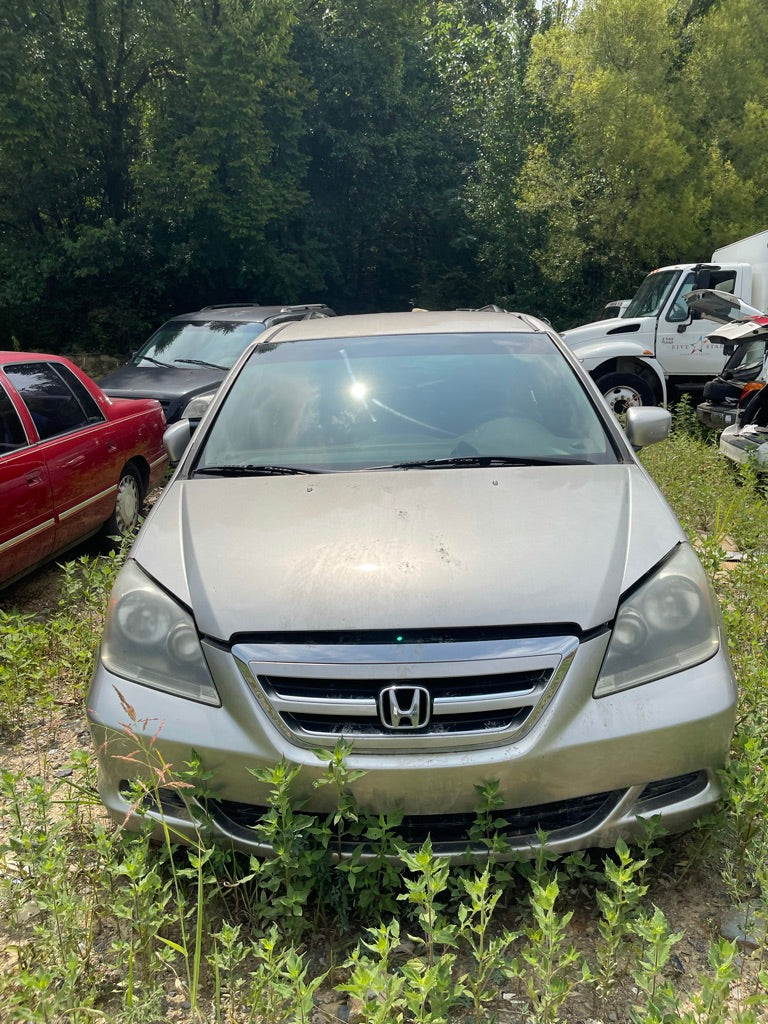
(679, 313)
(647, 425)
(703, 276)
(176, 438)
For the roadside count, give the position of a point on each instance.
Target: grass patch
(101, 925)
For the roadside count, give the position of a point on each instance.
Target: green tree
(725, 99)
(611, 173)
(614, 145)
(147, 147)
(485, 55)
(387, 160)
(75, 79)
(223, 166)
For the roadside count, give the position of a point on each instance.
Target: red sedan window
(12, 434)
(52, 403)
(83, 395)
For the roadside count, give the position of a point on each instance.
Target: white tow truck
(658, 345)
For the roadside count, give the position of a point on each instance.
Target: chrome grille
(470, 693)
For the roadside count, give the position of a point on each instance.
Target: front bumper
(716, 416)
(740, 446)
(585, 771)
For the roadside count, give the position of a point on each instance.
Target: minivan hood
(406, 549)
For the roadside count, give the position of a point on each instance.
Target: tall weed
(45, 662)
(99, 924)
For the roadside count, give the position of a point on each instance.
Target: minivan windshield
(412, 401)
(650, 297)
(213, 343)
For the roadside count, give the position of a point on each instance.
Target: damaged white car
(744, 336)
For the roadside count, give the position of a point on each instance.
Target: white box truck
(657, 345)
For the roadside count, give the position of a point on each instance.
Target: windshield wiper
(157, 362)
(483, 461)
(201, 362)
(246, 469)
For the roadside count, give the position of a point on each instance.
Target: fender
(592, 354)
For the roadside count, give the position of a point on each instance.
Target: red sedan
(72, 461)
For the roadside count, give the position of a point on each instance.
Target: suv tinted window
(180, 343)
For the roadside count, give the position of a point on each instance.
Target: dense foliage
(156, 155)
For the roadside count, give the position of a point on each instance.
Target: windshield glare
(364, 402)
(220, 342)
(652, 294)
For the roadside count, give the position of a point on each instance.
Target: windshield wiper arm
(157, 362)
(483, 461)
(201, 362)
(245, 469)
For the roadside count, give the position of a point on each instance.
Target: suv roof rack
(231, 305)
(489, 308)
(258, 305)
(308, 305)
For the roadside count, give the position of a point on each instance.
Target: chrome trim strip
(8, 544)
(277, 655)
(480, 704)
(402, 741)
(364, 706)
(84, 504)
(404, 673)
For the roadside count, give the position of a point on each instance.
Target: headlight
(668, 624)
(196, 407)
(151, 639)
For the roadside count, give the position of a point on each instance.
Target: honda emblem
(404, 707)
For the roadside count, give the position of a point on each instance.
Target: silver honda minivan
(424, 535)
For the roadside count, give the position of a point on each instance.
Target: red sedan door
(27, 522)
(76, 443)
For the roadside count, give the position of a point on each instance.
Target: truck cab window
(678, 311)
(723, 281)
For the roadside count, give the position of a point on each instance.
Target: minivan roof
(421, 322)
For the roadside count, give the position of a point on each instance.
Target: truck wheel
(623, 391)
(128, 499)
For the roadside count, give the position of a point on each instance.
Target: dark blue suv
(188, 357)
